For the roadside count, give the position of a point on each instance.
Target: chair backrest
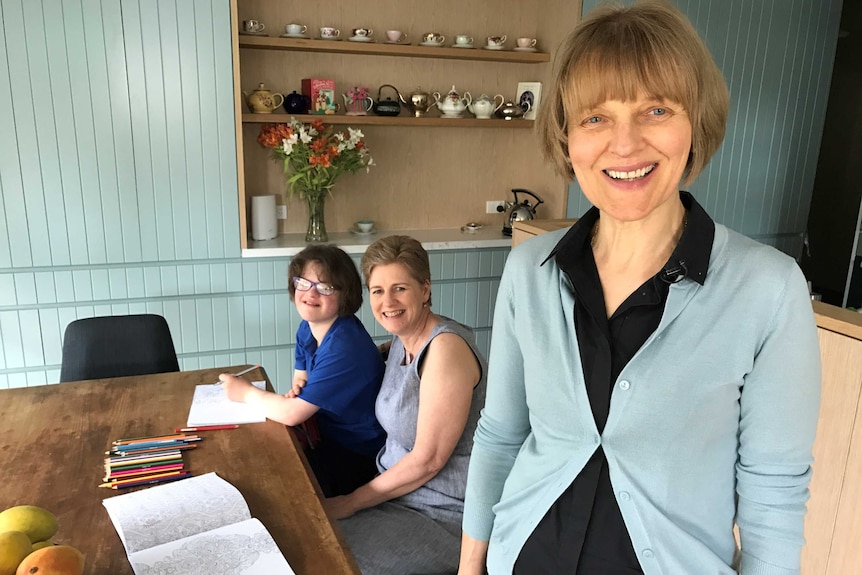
(117, 346)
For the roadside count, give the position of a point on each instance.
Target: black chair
(117, 346)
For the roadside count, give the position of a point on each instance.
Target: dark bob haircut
(334, 267)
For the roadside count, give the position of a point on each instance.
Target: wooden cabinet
(424, 178)
(522, 231)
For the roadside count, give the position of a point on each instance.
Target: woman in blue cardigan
(653, 377)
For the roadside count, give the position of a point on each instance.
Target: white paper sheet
(210, 406)
(195, 526)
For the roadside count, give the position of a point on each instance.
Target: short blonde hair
(618, 52)
(402, 250)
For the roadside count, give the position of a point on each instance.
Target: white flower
(305, 137)
(287, 145)
(355, 135)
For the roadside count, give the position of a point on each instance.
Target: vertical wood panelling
(776, 57)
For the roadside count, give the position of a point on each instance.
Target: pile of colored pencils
(147, 460)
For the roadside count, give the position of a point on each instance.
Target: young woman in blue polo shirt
(337, 366)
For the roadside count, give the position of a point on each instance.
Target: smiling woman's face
(396, 298)
(629, 156)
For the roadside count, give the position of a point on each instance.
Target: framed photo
(530, 92)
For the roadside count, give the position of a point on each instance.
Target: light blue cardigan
(720, 403)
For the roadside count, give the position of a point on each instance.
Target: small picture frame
(530, 92)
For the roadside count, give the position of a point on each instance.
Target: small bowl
(364, 226)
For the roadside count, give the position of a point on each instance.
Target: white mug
(253, 26)
(295, 29)
(463, 39)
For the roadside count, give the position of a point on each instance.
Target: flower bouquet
(314, 157)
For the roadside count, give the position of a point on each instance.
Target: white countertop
(433, 239)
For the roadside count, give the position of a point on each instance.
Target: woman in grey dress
(407, 520)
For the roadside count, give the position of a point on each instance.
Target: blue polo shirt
(344, 375)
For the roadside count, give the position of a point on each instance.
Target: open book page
(210, 406)
(245, 548)
(175, 510)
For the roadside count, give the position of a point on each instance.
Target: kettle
(387, 106)
(518, 211)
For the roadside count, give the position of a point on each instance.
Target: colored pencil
(125, 474)
(151, 450)
(164, 443)
(122, 467)
(206, 428)
(114, 463)
(135, 480)
(151, 481)
(130, 457)
(239, 373)
(149, 439)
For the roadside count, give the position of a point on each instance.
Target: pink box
(321, 94)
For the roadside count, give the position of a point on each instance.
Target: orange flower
(360, 144)
(318, 145)
(333, 151)
(317, 125)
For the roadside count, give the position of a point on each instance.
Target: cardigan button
(625, 496)
(625, 385)
(647, 553)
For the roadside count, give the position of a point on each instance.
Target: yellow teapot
(262, 101)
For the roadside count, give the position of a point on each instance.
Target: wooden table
(53, 440)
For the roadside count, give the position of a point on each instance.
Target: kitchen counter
(431, 239)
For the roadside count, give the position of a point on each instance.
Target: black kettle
(518, 211)
(387, 107)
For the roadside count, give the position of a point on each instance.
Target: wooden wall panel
(776, 57)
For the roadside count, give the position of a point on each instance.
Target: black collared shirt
(583, 532)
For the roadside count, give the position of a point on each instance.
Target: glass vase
(316, 231)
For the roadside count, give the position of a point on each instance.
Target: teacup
(495, 41)
(295, 29)
(253, 26)
(433, 38)
(364, 226)
(526, 42)
(396, 35)
(463, 40)
(362, 32)
(328, 32)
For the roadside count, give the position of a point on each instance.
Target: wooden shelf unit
(383, 49)
(410, 121)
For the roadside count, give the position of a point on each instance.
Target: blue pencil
(152, 481)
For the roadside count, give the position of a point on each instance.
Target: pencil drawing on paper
(212, 554)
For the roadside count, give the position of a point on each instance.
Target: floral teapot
(483, 106)
(262, 101)
(357, 101)
(453, 104)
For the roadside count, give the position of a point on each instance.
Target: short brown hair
(615, 53)
(336, 268)
(402, 250)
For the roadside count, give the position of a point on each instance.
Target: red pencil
(206, 428)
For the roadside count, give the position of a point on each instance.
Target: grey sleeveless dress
(418, 533)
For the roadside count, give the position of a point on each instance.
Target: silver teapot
(419, 102)
(511, 110)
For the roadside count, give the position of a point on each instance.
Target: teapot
(295, 103)
(357, 105)
(262, 101)
(511, 110)
(483, 106)
(387, 107)
(419, 102)
(453, 104)
(518, 211)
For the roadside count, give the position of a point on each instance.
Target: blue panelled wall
(118, 173)
(776, 56)
(119, 195)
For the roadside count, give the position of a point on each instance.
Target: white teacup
(295, 29)
(364, 226)
(463, 40)
(362, 32)
(396, 35)
(253, 26)
(495, 41)
(329, 32)
(526, 42)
